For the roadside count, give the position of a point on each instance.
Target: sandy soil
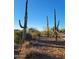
(42, 48)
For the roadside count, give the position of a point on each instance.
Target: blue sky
(37, 12)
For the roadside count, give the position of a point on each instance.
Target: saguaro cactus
(25, 23)
(54, 20)
(58, 25)
(47, 27)
(55, 28)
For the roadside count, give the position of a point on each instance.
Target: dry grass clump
(36, 55)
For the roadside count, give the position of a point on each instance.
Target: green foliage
(46, 32)
(34, 32)
(62, 30)
(17, 36)
(28, 36)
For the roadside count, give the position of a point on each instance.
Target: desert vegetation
(37, 43)
(30, 43)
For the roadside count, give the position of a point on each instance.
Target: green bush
(28, 36)
(34, 32)
(17, 36)
(62, 30)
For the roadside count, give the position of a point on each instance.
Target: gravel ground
(43, 48)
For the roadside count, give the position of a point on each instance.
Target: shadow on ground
(43, 45)
(47, 43)
(50, 42)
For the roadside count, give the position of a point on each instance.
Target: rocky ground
(42, 48)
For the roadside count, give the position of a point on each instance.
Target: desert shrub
(34, 32)
(62, 30)
(28, 36)
(17, 36)
(36, 55)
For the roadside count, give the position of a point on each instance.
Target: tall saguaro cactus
(25, 23)
(47, 27)
(54, 20)
(55, 28)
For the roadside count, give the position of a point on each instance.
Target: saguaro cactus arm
(20, 24)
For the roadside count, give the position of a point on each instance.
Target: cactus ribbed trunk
(47, 27)
(55, 29)
(54, 20)
(25, 23)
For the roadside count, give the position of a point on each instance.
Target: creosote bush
(34, 32)
(17, 36)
